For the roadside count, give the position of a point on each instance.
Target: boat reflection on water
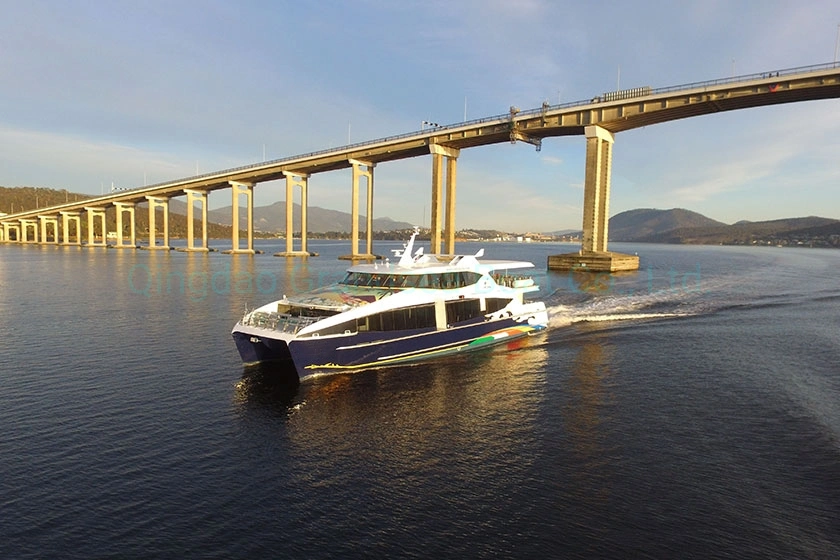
(270, 384)
(587, 420)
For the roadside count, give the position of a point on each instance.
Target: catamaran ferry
(422, 307)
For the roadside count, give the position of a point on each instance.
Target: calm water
(689, 410)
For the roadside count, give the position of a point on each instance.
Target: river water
(690, 409)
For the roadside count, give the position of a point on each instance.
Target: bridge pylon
(593, 255)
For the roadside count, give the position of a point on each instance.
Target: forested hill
(635, 225)
(21, 199)
(685, 227)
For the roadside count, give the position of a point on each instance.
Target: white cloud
(552, 160)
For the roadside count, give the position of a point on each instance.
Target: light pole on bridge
(837, 43)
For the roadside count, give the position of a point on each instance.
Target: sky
(102, 93)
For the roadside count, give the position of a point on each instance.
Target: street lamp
(837, 43)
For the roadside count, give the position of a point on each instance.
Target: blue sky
(134, 93)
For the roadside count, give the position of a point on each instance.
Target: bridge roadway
(598, 119)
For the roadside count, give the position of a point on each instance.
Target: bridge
(598, 119)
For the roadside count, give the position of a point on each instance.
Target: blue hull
(256, 349)
(376, 349)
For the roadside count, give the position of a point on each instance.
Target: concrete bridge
(598, 119)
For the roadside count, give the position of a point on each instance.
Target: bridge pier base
(594, 255)
(593, 261)
(66, 218)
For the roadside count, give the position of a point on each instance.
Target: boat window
(301, 311)
(409, 281)
(356, 279)
(429, 281)
(462, 310)
(436, 281)
(370, 280)
(448, 280)
(469, 278)
(410, 318)
(494, 304)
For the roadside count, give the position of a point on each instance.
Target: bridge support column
(358, 174)
(4, 233)
(46, 221)
(451, 155)
(192, 198)
(24, 229)
(16, 229)
(8, 228)
(154, 203)
(596, 193)
(132, 235)
(94, 214)
(66, 218)
(248, 190)
(594, 255)
(295, 180)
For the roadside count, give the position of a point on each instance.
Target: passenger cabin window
(410, 318)
(437, 281)
(494, 304)
(463, 310)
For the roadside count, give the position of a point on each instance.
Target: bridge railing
(749, 77)
(506, 117)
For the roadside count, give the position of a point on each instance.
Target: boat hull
(256, 347)
(315, 355)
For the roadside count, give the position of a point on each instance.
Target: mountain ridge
(680, 226)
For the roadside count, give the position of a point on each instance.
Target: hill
(272, 218)
(644, 223)
(19, 199)
(745, 233)
(680, 226)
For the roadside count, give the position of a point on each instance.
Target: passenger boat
(423, 306)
